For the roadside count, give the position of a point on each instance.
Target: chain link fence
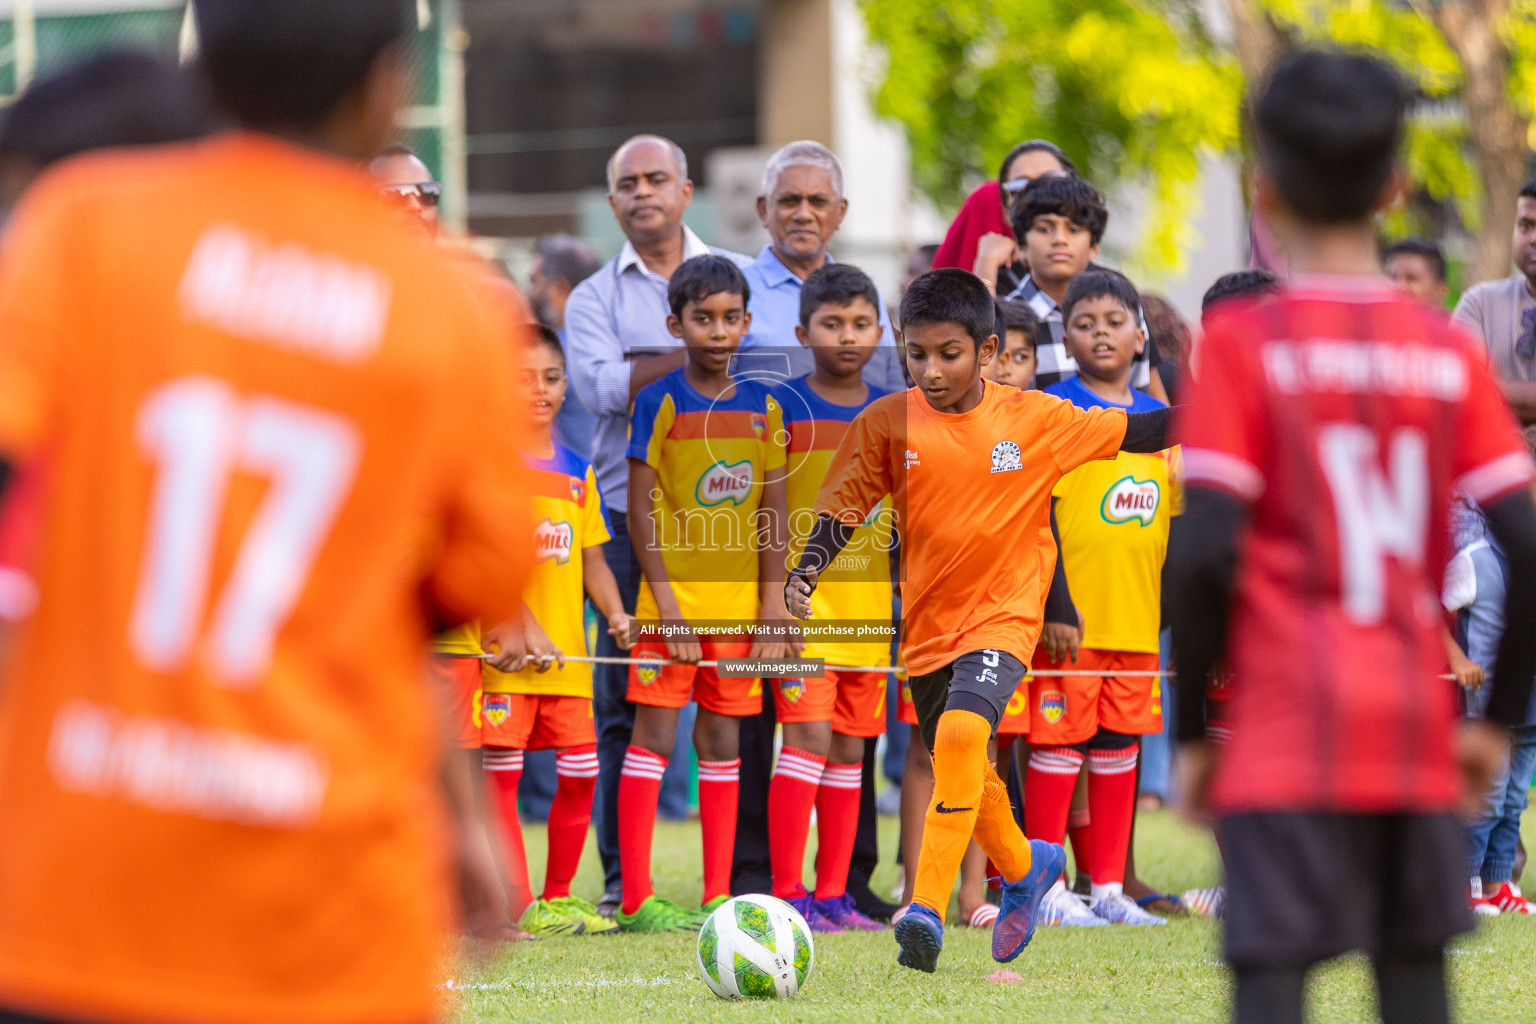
(41, 36)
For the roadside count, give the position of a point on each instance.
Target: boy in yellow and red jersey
(1113, 518)
(967, 463)
(534, 704)
(707, 514)
(826, 718)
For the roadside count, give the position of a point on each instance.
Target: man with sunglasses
(1503, 314)
(405, 180)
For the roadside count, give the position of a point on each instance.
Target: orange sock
(997, 832)
(959, 765)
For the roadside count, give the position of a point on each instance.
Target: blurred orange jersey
(971, 491)
(281, 445)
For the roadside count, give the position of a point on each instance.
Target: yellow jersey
(568, 518)
(710, 457)
(1114, 516)
(856, 590)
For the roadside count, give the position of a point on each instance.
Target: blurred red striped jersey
(1343, 414)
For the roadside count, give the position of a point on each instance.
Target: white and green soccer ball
(755, 947)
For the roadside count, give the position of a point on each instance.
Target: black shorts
(1304, 887)
(979, 681)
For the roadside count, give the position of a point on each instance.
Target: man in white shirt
(617, 343)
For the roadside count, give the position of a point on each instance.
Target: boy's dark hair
(838, 284)
(950, 295)
(1096, 284)
(548, 338)
(1424, 249)
(118, 98)
(699, 278)
(1014, 315)
(1528, 190)
(1072, 198)
(1240, 282)
(1327, 127)
(287, 63)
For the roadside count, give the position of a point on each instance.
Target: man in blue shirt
(617, 343)
(802, 206)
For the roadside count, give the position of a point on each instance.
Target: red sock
(1080, 831)
(569, 816)
(1048, 786)
(503, 770)
(791, 795)
(719, 787)
(837, 822)
(639, 786)
(1112, 798)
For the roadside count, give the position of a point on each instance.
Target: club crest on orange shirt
(1006, 457)
(647, 671)
(496, 708)
(792, 689)
(579, 492)
(1053, 704)
(723, 482)
(759, 425)
(1130, 499)
(552, 540)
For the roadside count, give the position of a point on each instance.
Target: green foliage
(1131, 90)
(1136, 91)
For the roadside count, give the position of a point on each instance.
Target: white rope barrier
(885, 669)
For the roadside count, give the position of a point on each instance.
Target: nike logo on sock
(950, 810)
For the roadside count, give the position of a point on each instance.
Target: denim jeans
(1492, 838)
(612, 714)
(1493, 835)
(1157, 747)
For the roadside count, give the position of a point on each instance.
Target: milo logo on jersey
(553, 540)
(723, 482)
(1131, 499)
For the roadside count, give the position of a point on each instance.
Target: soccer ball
(755, 947)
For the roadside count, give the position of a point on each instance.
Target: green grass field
(1098, 975)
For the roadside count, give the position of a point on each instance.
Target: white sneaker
(1121, 909)
(1060, 907)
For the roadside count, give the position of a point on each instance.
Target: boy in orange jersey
(827, 718)
(1113, 518)
(966, 462)
(282, 451)
(707, 512)
(537, 704)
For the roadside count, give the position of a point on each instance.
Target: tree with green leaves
(1141, 90)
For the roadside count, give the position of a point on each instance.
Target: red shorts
(457, 682)
(1070, 709)
(1015, 720)
(1219, 686)
(854, 702)
(673, 686)
(535, 721)
(905, 712)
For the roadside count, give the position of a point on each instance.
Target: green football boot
(583, 911)
(702, 914)
(658, 915)
(548, 917)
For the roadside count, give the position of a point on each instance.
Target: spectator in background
(405, 179)
(118, 98)
(1168, 331)
(1503, 314)
(1417, 266)
(980, 238)
(560, 263)
(918, 264)
(802, 206)
(617, 342)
